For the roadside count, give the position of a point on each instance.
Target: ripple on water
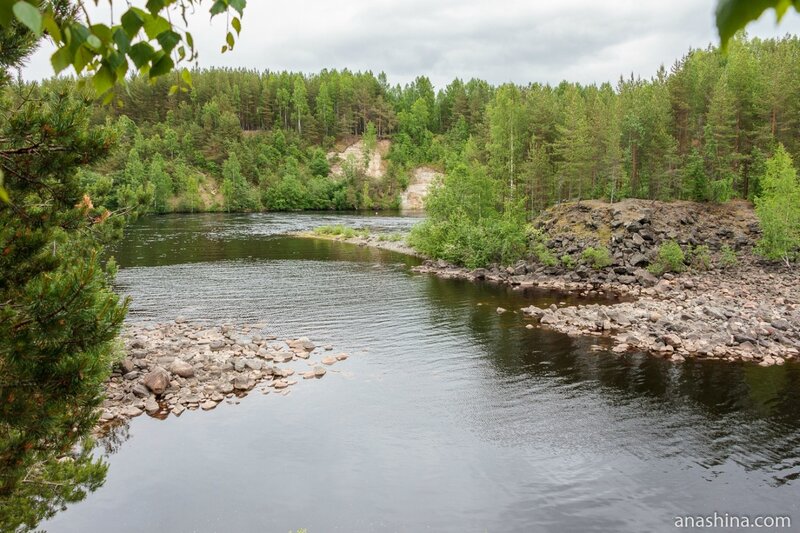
(448, 417)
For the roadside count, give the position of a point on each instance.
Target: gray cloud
(501, 40)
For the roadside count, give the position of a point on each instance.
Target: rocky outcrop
(633, 231)
(749, 311)
(176, 366)
(413, 198)
(373, 163)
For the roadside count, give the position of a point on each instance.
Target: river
(447, 416)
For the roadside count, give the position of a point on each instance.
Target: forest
(80, 157)
(245, 140)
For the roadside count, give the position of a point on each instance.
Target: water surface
(448, 416)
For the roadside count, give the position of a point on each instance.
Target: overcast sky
(497, 40)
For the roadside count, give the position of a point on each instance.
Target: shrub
(728, 257)
(778, 209)
(700, 257)
(597, 258)
(567, 261)
(467, 223)
(670, 259)
(544, 255)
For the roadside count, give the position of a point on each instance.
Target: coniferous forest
(598, 333)
(700, 129)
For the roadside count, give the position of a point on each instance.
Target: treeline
(245, 140)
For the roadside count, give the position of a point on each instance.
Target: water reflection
(448, 417)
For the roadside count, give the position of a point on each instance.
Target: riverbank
(381, 241)
(174, 366)
(726, 303)
(750, 313)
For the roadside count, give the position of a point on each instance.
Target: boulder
(126, 365)
(638, 259)
(157, 381)
(181, 368)
(216, 346)
(670, 339)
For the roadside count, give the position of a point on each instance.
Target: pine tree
(324, 109)
(59, 316)
(573, 148)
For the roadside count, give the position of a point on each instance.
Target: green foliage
(670, 258)
(143, 40)
(699, 257)
(567, 261)
(235, 189)
(696, 179)
(340, 230)
(370, 138)
(58, 313)
(728, 257)
(318, 166)
(597, 258)
(543, 254)
(468, 225)
(778, 209)
(51, 484)
(700, 130)
(391, 237)
(734, 15)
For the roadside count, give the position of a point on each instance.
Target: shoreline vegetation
(719, 301)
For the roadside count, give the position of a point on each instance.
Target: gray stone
(127, 366)
(140, 391)
(131, 411)
(216, 346)
(151, 405)
(781, 324)
(157, 381)
(638, 259)
(182, 368)
(254, 364)
(306, 344)
(243, 383)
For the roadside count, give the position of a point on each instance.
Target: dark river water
(447, 417)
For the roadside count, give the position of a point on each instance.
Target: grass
(339, 230)
(390, 237)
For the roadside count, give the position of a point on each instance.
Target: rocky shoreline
(748, 311)
(727, 304)
(372, 240)
(174, 366)
(751, 313)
